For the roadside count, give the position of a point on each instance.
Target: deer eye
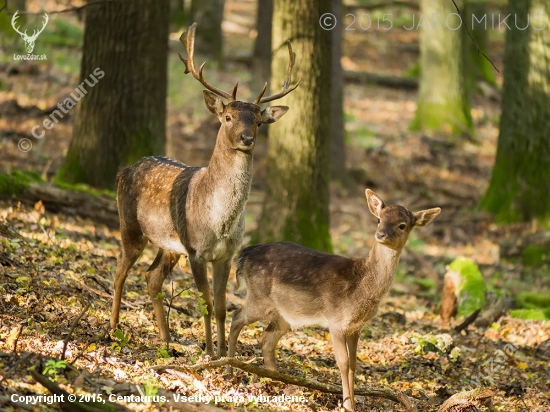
(259, 124)
(378, 220)
(227, 118)
(402, 226)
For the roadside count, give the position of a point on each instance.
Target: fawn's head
(395, 222)
(240, 120)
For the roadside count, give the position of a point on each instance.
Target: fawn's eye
(402, 226)
(378, 220)
(227, 118)
(259, 124)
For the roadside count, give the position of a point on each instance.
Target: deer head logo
(29, 40)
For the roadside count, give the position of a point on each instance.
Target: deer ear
(273, 113)
(425, 217)
(213, 103)
(375, 203)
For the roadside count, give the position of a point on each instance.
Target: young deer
(196, 211)
(293, 286)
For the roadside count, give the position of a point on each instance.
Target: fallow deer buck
(290, 286)
(196, 211)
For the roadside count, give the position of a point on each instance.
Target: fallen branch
(379, 392)
(76, 406)
(100, 209)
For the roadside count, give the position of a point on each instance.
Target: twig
(472, 37)
(73, 327)
(470, 319)
(385, 393)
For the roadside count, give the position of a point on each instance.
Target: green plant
(53, 368)
(122, 338)
(162, 352)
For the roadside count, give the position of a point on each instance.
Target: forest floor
(59, 264)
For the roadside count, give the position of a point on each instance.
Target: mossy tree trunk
(443, 103)
(297, 185)
(478, 21)
(520, 182)
(122, 115)
(208, 14)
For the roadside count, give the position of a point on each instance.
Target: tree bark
(209, 17)
(297, 186)
(443, 104)
(520, 182)
(121, 112)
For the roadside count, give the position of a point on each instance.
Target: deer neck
(229, 175)
(380, 266)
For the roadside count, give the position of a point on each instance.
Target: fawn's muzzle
(247, 140)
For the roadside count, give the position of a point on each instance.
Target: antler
(37, 32)
(286, 90)
(13, 22)
(188, 40)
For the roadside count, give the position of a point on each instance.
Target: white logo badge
(29, 40)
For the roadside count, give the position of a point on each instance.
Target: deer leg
(269, 339)
(351, 342)
(198, 267)
(342, 359)
(157, 272)
(131, 250)
(219, 280)
(237, 324)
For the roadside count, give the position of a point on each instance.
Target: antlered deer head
(29, 40)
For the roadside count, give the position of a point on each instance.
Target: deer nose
(380, 235)
(247, 140)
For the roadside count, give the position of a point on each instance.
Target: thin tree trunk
(297, 185)
(208, 14)
(261, 56)
(338, 169)
(121, 107)
(479, 23)
(520, 183)
(443, 104)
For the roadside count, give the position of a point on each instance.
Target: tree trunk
(338, 169)
(209, 17)
(477, 66)
(442, 101)
(177, 14)
(261, 56)
(297, 185)
(520, 182)
(121, 110)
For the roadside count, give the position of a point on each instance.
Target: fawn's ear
(213, 103)
(273, 113)
(375, 203)
(424, 217)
